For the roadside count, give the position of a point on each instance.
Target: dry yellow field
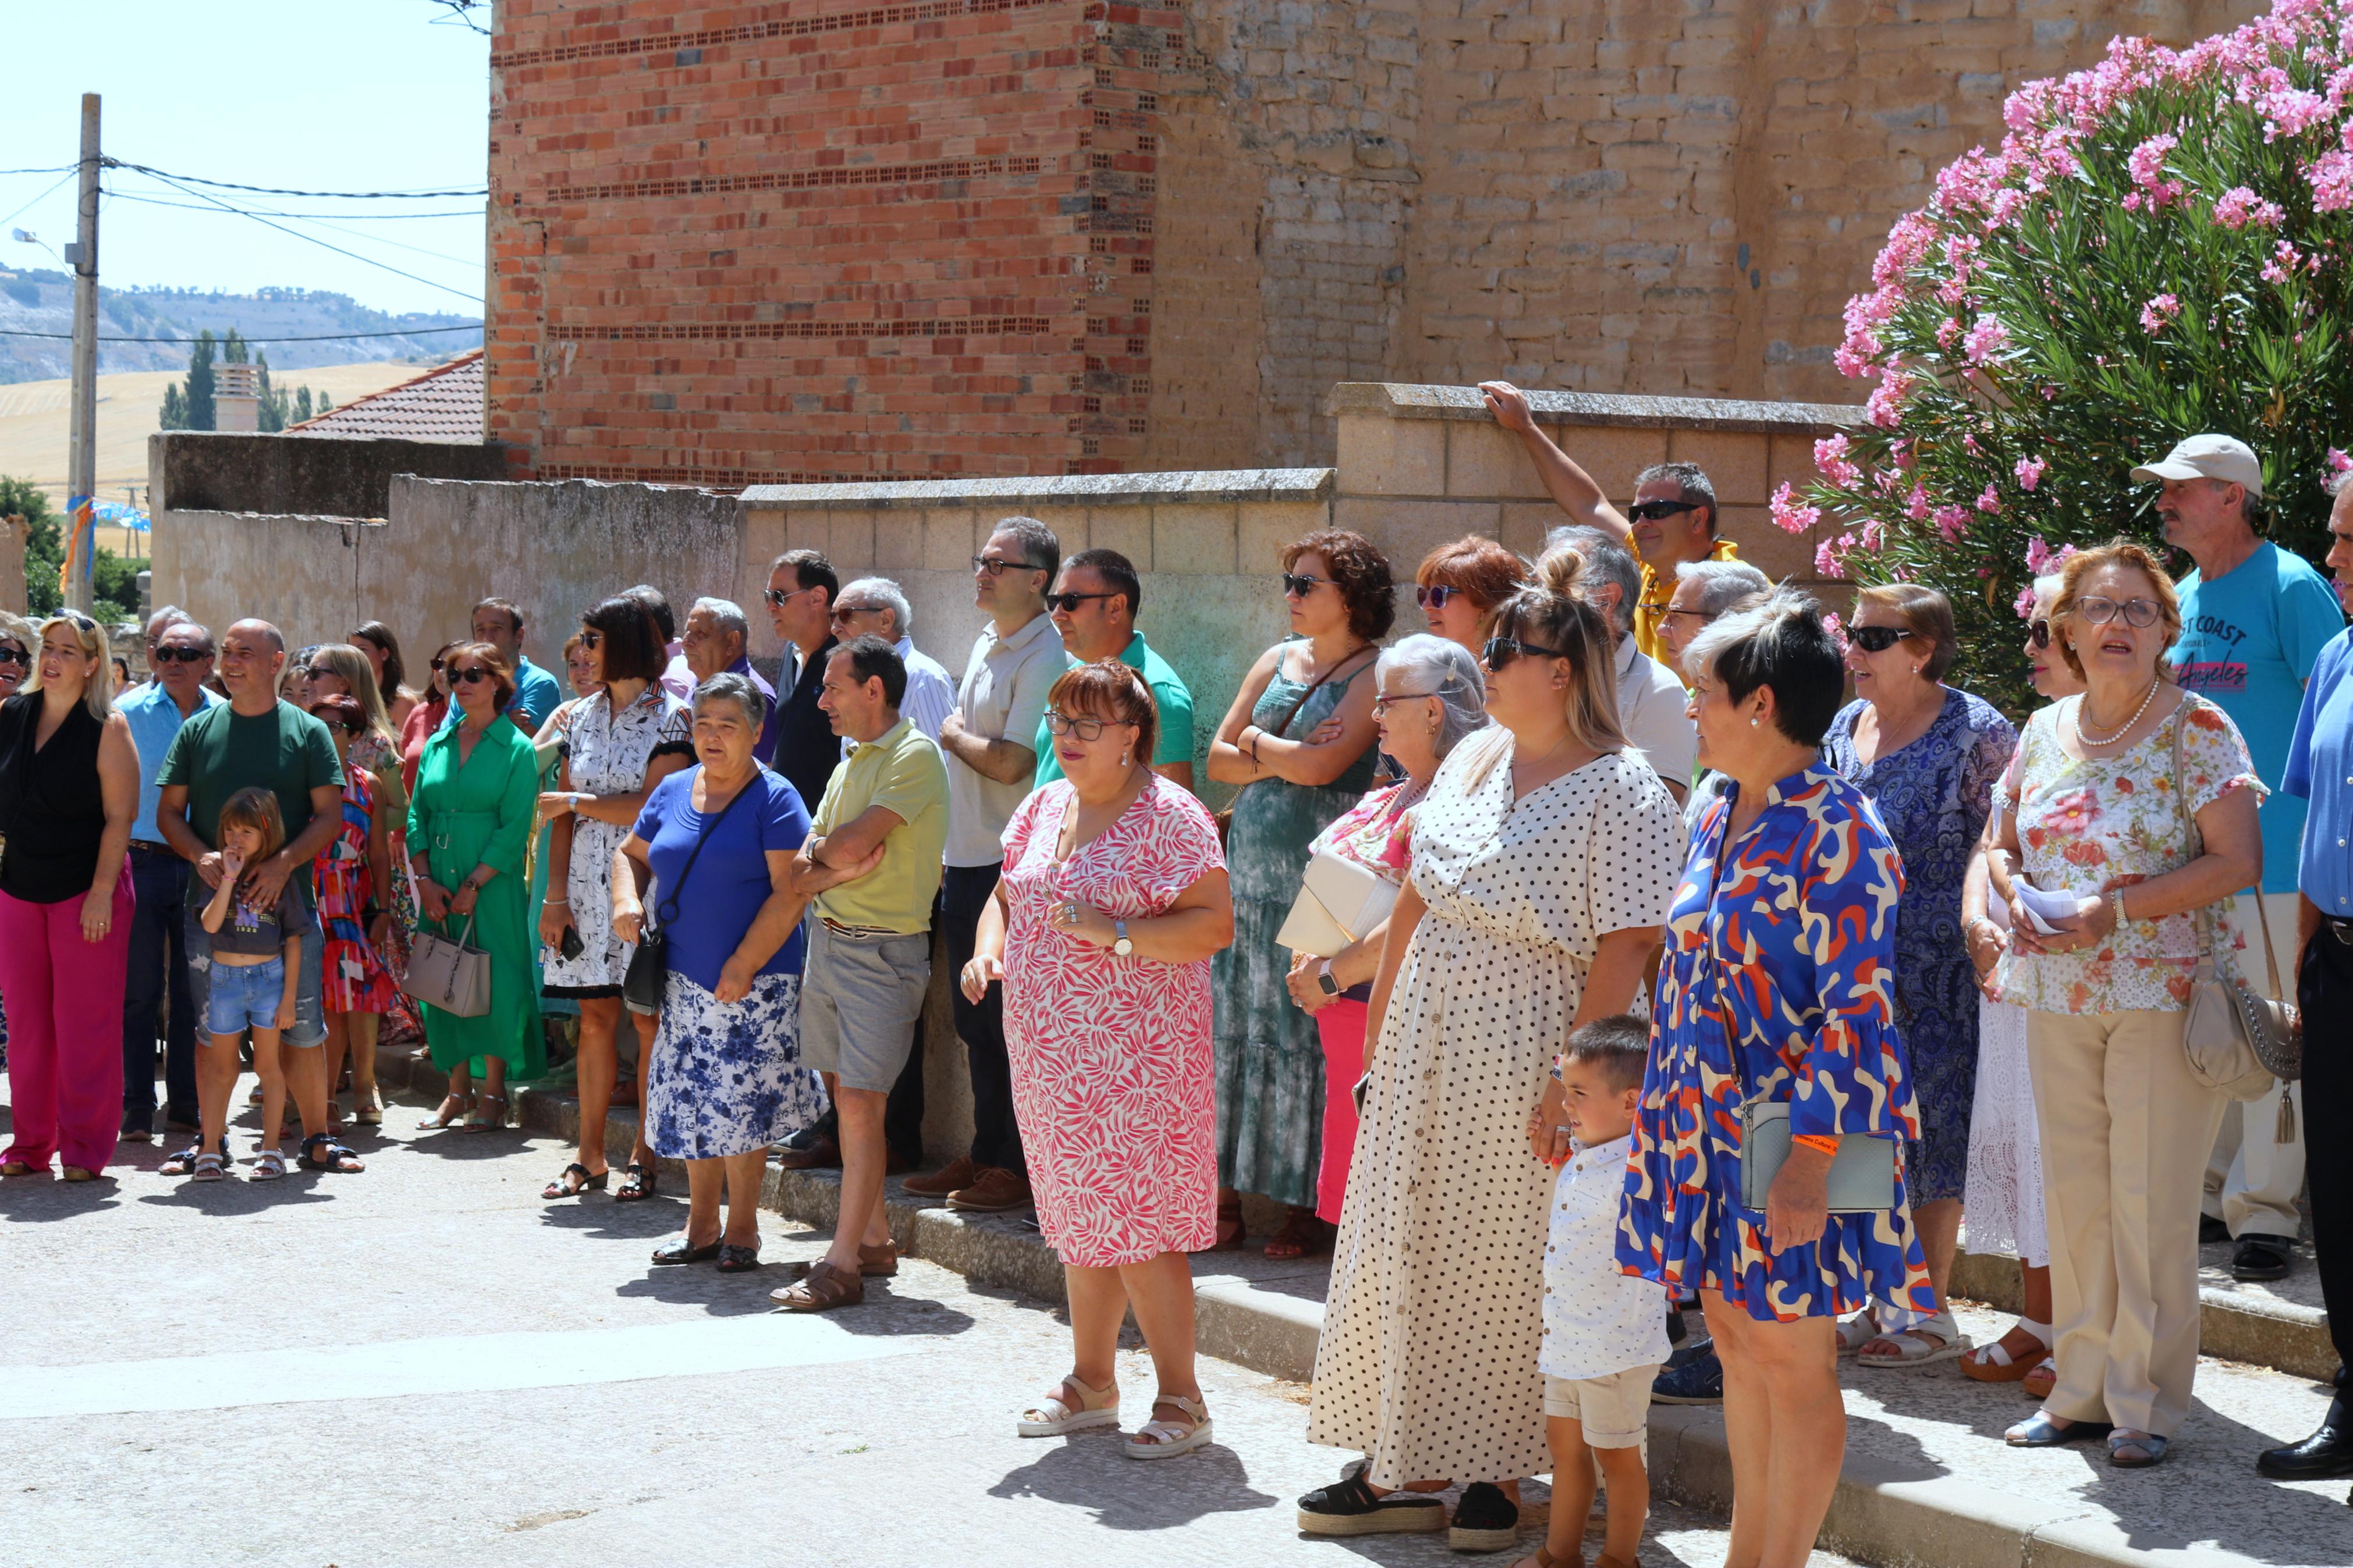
(33, 417)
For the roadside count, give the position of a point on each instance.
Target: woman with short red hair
(1459, 586)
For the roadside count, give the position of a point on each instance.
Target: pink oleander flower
(1990, 500)
(1874, 535)
(2338, 461)
(2330, 176)
(1952, 521)
(2239, 207)
(1837, 629)
(1885, 405)
(2158, 312)
(1986, 340)
(1791, 517)
(1949, 331)
(2030, 472)
(1831, 460)
(1830, 556)
(2147, 164)
(1916, 505)
(2024, 604)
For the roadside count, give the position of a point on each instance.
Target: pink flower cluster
(2146, 166)
(1790, 515)
(1831, 462)
(2158, 312)
(2239, 207)
(1986, 340)
(2042, 559)
(2030, 472)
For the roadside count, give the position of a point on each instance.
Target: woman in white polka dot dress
(1544, 858)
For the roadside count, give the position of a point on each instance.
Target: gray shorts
(859, 1000)
(309, 1012)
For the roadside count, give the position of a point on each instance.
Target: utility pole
(81, 462)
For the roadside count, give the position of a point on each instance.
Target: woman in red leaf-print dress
(1113, 900)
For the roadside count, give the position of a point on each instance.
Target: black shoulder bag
(642, 986)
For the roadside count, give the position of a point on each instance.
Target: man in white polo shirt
(1652, 707)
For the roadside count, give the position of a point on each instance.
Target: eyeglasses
(1060, 723)
(320, 672)
(1298, 584)
(1653, 510)
(1434, 597)
(1383, 703)
(1702, 617)
(166, 656)
(1501, 651)
(2099, 610)
(1877, 639)
(470, 674)
(779, 598)
(339, 727)
(1068, 603)
(997, 568)
(18, 656)
(2038, 632)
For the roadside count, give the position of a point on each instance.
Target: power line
(312, 338)
(59, 169)
(37, 201)
(311, 238)
(318, 221)
(347, 217)
(278, 191)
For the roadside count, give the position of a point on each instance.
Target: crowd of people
(1580, 957)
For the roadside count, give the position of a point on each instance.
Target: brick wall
(822, 239)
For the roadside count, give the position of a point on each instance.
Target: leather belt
(860, 933)
(151, 846)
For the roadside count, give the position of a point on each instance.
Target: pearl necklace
(2118, 732)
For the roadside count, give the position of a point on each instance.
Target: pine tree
(233, 349)
(201, 413)
(274, 404)
(176, 409)
(302, 405)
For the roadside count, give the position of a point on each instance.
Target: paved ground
(424, 1363)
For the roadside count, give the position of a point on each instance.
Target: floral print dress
(352, 977)
(608, 754)
(1778, 982)
(1933, 796)
(2105, 823)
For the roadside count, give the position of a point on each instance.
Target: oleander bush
(2160, 245)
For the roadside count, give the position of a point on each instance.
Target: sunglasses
(1068, 603)
(1501, 651)
(1877, 639)
(779, 598)
(2100, 610)
(845, 612)
(592, 639)
(320, 672)
(1060, 723)
(2038, 632)
(1435, 596)
(470, 674)
(168, 656)
(997, 568)
(1383, 704)
(16, 656)
(1653, 510)
(1298, 584)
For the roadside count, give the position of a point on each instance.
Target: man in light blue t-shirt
(2254, 620)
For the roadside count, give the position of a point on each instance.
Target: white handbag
(1338, 902)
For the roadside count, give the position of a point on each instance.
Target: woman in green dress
(1299, 740)
(469, 823)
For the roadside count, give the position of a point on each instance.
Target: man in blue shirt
(181, 657)
(2320, 772)
(2254, 619)
(499, 622)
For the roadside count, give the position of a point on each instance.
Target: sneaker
(940, 1183)
(1699, 1381)
(1484, 1520)
(992, 1190)
(137, 1126)
(1349, 1507)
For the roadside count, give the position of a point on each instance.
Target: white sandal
(1857, 1331)
(1163, 1439)
(1055, 1415)
(1913, 1348)
(267, 1166)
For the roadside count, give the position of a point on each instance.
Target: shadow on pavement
(1089, 1470)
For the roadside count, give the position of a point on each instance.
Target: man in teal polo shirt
(1094, 605)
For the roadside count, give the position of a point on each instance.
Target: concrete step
(1927, 1479)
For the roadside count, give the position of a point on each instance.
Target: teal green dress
(1269, 1058)
(481, 813)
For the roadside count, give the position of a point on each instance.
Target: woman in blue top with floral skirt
(1778, 982)
(723, 1079)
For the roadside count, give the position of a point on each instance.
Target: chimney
(237, 397)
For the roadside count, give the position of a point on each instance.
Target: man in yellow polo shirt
(885, 814)
(1672, 518)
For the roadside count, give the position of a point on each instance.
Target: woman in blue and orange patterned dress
(1784, 928)
(350, 875)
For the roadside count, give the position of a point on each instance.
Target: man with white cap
(2254, 620)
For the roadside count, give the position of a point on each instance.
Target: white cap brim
(2151, 473)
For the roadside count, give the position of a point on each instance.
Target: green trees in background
(190, 404)
(114, 582)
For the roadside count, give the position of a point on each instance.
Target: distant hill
(42, 301)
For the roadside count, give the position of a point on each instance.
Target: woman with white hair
(1430, 695)
(1542, 858)
(68, 790)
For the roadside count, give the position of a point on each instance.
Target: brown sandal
(821, 1289)
(878, 1262)
(1302, 1236)
(1545, 1559)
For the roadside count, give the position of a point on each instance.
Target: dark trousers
(902, 1113)
(995, 1140)
(158, 972)
(2325, 991)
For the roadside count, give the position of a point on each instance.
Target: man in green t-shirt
(1093, 604)
(255, 741)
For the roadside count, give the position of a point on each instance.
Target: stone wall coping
(1399, 400)
(1200, 487)
(338, 519)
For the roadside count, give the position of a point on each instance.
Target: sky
(317, 95)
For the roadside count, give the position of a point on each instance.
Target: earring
(1755, 720)
(1124, 755)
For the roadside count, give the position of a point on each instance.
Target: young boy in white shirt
(1604, 1335)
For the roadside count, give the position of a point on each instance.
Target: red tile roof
(444, 403)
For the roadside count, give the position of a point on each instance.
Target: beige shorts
(1614, 1411)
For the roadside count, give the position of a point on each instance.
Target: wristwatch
(1324, 980)
(1120, 944)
